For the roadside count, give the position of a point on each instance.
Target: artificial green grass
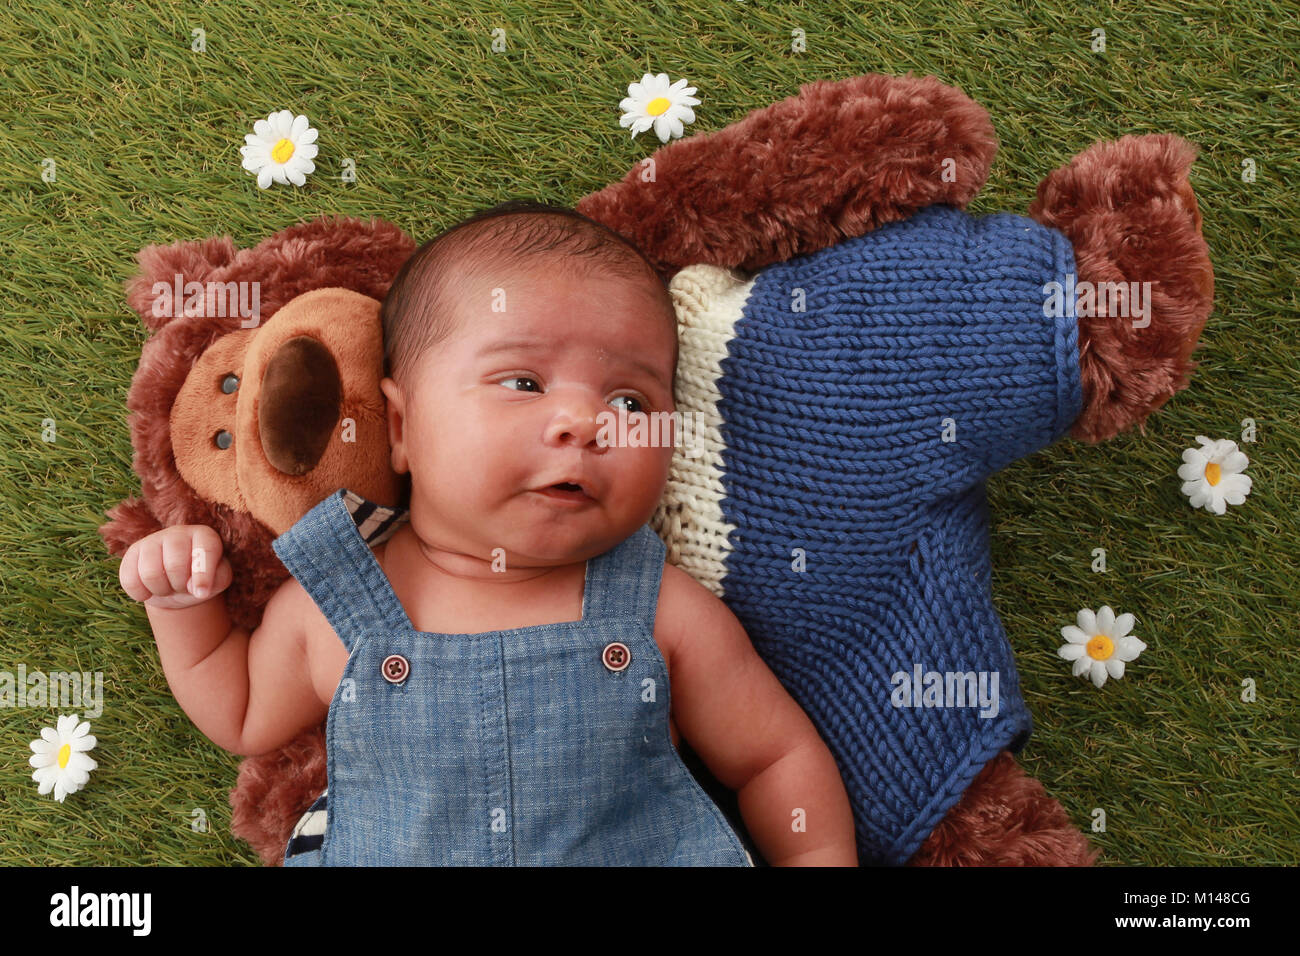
(145, 135)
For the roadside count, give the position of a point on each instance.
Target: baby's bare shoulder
(689, 615)
(283, 614)
(323, 653)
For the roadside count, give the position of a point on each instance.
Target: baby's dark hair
(419, 308)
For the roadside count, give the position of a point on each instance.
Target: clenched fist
(175, 568)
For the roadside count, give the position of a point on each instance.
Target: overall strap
(328, 551)
(623, 583)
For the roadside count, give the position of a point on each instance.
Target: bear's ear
(840, 158)
(327, 252)
(191, 261)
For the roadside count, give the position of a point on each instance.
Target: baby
(496, 668)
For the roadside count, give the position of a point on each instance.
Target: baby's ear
(167, 265)
(394, 415)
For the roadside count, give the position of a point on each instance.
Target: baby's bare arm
(752, 735)
(248, 693)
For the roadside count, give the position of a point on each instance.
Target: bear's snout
(299, 403)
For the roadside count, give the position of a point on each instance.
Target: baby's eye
(520, 378)
(631, 398)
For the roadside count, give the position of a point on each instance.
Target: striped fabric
(377, 523)
(309, 832)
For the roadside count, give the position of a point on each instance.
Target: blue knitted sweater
(839, 506)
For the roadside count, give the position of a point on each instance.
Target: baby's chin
(567, 539)
(537, 534)
(559, 545)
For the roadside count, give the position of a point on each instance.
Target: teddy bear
(846, 198)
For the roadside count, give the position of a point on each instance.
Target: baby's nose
(575, 418)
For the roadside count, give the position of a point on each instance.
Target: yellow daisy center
(657, 105)
(1212, 474)
(65, 754)
(282, 151)
(1100, 647)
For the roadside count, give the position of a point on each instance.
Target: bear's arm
(913, 362)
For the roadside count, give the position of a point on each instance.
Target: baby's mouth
(566, 491)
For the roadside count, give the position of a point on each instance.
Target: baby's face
(507, 407)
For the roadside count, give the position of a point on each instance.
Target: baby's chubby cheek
(642, 477)
(490, 464)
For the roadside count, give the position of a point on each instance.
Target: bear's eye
(223, 439)
(230, 383)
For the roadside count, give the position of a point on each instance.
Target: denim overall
(541, 745)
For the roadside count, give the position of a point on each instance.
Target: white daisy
(1100, 644)
(1212, 476)
(652, 102)
(280, 149)
(60, 757)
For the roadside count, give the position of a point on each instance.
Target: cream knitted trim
(689, 519)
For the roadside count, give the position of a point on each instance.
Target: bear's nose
(298, 405)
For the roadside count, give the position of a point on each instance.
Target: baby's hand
(176, 568)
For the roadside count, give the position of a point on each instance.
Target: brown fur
(273, 790)
(1129, 210)
(1005, 818)
(834, 161)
